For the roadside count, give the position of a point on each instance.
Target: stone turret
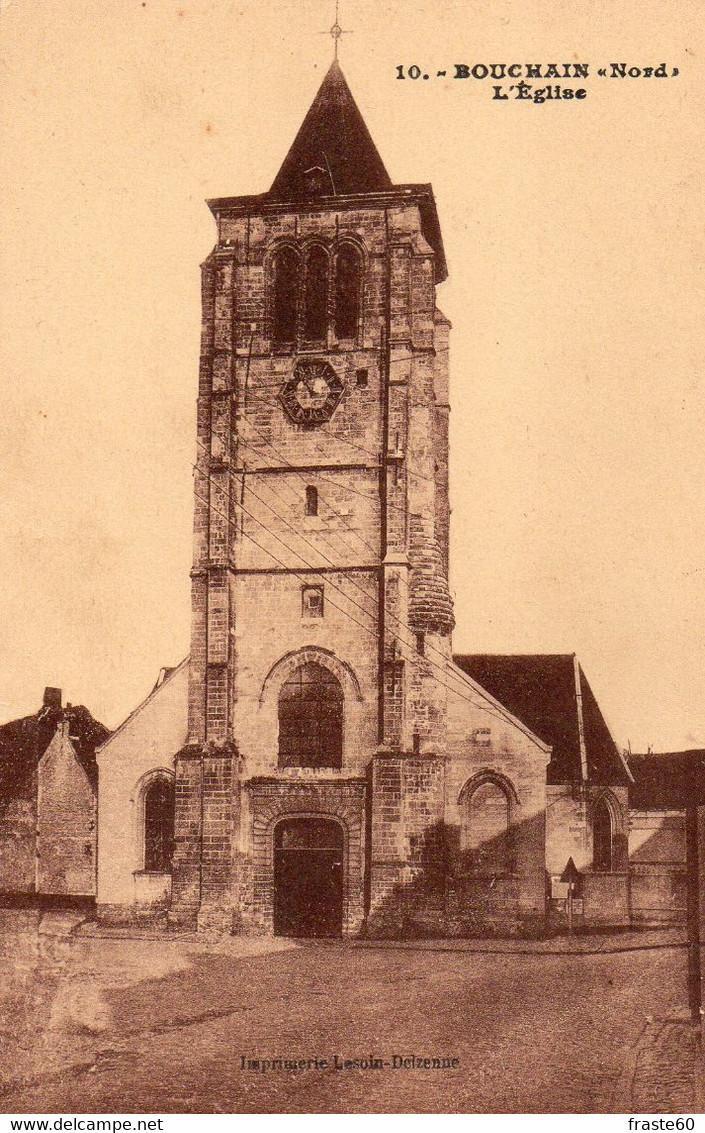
(430, 603)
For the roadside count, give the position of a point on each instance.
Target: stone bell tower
(320, 531)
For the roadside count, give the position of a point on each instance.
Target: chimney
(52, 698)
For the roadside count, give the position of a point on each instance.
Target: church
(322, 764)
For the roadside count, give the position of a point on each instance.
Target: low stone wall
(126, 916)
(606, 899)
(428, 903)
(658, 893)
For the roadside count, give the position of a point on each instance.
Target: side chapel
(321, 764)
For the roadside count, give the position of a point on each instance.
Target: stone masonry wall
(66, 821)
(407, 872)
(657, 867)
(220, 817)
(186, 877)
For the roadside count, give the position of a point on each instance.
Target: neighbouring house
(48, 801)
(664, 782)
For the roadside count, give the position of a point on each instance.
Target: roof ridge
(150, 695)
(566, 656)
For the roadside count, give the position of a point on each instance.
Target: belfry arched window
(315, 289)
(316, 295)
(286, 273)
(159, 825)
(486, 827)
(602, 850)
(347, 291)
(311, 718)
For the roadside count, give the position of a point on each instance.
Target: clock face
(312, 394)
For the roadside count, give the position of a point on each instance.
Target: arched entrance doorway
(308, 877)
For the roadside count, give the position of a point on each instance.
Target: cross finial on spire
(336, 31)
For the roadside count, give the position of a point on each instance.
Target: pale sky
(574, 236)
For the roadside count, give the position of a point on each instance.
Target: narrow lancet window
(347, 292)
(316, 296)
(286, 285)
(602, 837)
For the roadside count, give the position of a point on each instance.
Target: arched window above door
(311, 718)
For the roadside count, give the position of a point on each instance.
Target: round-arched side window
(487, 841)
(159, 825)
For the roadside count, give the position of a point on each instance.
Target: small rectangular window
(312, 602)
(361, 378)
(421, 643)
(311, 501)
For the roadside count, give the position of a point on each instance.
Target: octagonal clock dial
(312, 394)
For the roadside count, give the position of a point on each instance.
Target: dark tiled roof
(24, 741)
(540, 690)
(666, 780)
(333, 138)
(604, 761)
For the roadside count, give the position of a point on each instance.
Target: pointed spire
(333, 152)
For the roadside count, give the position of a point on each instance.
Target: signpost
(570, 875)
